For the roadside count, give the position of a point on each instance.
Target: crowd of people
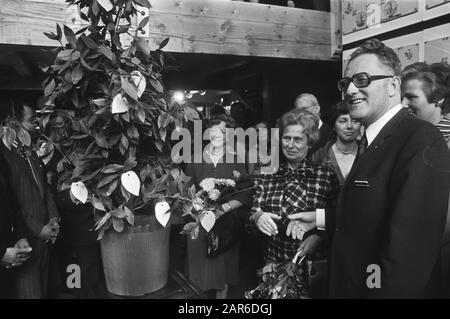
(365, 189)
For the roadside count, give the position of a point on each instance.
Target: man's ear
(394, 86)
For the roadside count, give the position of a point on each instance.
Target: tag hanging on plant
(106, 4)
(119, 104)
(139, 81)
(79, 191)
(131, 182)
(161, 214)
(208, 220)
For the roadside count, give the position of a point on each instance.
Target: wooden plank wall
(240, 28)
(194, 26)
(24, 21)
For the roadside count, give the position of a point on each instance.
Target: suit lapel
(384, 134)
(31, 167)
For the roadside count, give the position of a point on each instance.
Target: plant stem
(57, 148)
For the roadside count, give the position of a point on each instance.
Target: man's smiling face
(369, 103)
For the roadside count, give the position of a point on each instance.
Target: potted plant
(107, 118)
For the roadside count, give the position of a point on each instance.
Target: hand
(24, 248)
(54, 222)
(267, 225)
(48, 233)
(307, 220)
(295, 229)
(13, 257)
(309, 245)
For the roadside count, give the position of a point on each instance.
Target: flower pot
(136, 261)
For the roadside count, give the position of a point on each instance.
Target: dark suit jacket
(34, 199)
(397, 221)
(326, 134)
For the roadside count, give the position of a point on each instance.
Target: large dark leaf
(124, 142)
(107, 52)
(70, 36)
(111, 188)
(143, 23)
(64, 55)
(107, 180)
(143, 3)
(77, 74)
(58, 32)
(129, 88)
(91, 44)
(163, 43)
(112, 168)
(49, 88)
(157, 85)
(51, 36)
(140, 113)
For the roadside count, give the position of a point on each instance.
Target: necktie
(362, 146)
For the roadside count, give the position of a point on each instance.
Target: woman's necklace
(346, 152)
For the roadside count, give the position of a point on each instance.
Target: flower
(214, 194)
(207, 184)
(236, 174)
(197, 203)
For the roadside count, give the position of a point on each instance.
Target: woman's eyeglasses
(360, 80)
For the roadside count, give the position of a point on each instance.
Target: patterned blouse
(288, 191)
(444, 126)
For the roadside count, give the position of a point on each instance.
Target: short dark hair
(432, 86)
(385, 54)
(306, 119)
(221, 117)
(415, 67)
(442, 70)
(338, 109)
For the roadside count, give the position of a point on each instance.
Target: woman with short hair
(425, 93)
(298, 186)
(340, 153)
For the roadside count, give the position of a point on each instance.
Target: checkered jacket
(288, 191)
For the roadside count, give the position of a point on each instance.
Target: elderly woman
(216, 273)
(298, 186)
(340, 154)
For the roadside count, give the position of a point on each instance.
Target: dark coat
(391, 212)
(32, 193)
(326, 134)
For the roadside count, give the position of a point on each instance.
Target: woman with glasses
(341, 153)
(298, 186)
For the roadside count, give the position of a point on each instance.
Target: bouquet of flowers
(204, 206)
(281, 281)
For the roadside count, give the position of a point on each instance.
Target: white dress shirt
(374, 129)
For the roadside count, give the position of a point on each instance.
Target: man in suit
(307, 101)
(35, 205)
(12, 254)
(392, 209)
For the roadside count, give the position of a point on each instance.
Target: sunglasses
(360, 80)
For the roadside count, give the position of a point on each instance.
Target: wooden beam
(240, 28)
(25, 21)
(194, 26)
(336, 28)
